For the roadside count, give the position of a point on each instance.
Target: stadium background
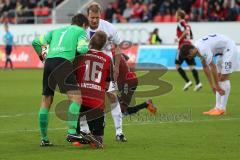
(44, 15)
(178, 132)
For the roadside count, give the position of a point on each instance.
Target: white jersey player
(96, 24)
(226, 52)
(113, 38)
(109, 29)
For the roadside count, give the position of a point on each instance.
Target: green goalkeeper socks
(43, 122)
(72, 117)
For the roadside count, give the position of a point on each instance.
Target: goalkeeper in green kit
(58, 70)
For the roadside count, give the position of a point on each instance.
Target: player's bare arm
(184, 34)
(208, 74)
(224, 77)
(117, 59)
(215, 78)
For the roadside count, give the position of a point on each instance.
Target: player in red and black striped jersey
(93, 75)
(184, 36)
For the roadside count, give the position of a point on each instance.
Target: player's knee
(191, 68)
(75, 96)
(177, 66)
(112, 97)
(47, 101)
(124, 107)
(224, 77)
(77, 99)
(219, 76)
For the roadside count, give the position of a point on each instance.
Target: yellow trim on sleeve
(82, 42)
(41, 39)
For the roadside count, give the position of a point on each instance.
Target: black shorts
(179, 60)
(95, 119)
(8, 50)
(58, 71)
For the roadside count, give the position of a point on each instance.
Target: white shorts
(112, 85)
(228, 62)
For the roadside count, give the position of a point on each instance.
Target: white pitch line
(36, 113)
(28, 130)
(192, 121)
(128, 124)
(21, 115)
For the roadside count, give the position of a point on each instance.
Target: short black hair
(185, 50)
(80, 19)
(155, 30)
(98, 40)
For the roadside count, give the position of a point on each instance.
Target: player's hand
(41, 58)
(214, 89)
(220, 90)
(44, 53)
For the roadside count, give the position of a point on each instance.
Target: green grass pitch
(165, 137)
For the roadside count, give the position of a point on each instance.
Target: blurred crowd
(131, 11)
(164, 10)
(25, 10)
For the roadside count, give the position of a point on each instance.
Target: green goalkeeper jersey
(63, 42)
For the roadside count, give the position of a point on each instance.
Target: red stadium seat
(174, 19)
(45, 11)
(41, 11)
(47, 21)
(12, 20)
(158, 18)
(167, 18)
(121, 18)
(115, 5)
(238, 18)
(37, 11)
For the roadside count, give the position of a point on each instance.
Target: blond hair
(94, 7)
(181, 13)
